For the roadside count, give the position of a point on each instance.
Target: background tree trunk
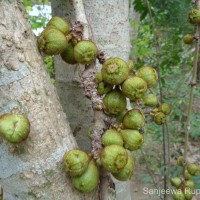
(32, 169)
(109, 21)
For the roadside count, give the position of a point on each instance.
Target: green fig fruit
(159, 118)
(89, 180)
(149, 74)
(52, 41)
(133, 140)
(194, 16)
(189, 184)
(180, 161)
(115, 71)
(150, 100)
(165, 108)
(188, 39)
(188, 194)
(104, 88)
(111, 136)
(176, 182)
(59, 24)
(126, 173)
(134, 88)
(14, 127)
(187, 175)
(114, 158)
(75, 162)
(134, 119)
(192, 169)
(68, 54)
(178, 195)
(85, 52)
(114, 102)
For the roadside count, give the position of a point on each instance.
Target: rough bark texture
(109, 22)
(32, 169)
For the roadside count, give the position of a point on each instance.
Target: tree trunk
(32, 169)
(109, 21)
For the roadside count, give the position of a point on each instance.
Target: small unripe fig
(85, 52)
(114, 102)
(89, 180)
(159, 118)
(133, 140)
(59, 24)
(188, 39)
(111, 136)
(126, 173)
(134, 119)
(178, 195)
(75, 162)
(194, 16)
(150, 100)
(187, 175)
(134, 88)
(189, 184)
(180, 161)
(188, 194)
(14, 127)
(68, 54)
(114, 158)
(104, 88)
(192, 169)
(176, 182)
(52, 41)
(149, 74)
(165, 108)
(114, 71)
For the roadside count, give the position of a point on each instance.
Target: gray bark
(32, 169)
(109, 21)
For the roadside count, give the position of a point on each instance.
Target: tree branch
(192, 87)
(87, 78)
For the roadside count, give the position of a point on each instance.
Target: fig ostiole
(114, 158)
(85, 52)
(115, 71)
(75, 162)
(14, 127)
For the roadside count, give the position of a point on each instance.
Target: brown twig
(192, 86)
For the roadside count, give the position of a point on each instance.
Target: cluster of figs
(57, 38)
(116, 82)
(193, 18)
(185, 186)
